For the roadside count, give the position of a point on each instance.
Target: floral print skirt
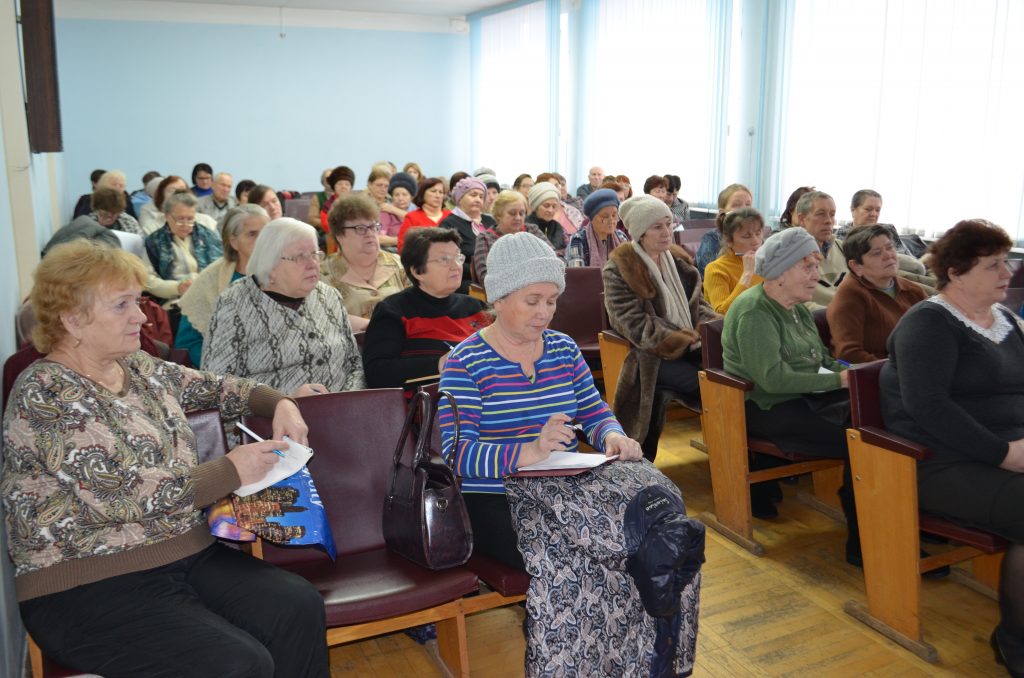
(584, 615)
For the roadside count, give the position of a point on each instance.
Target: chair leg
(890, 545)
(35, 656)
(725, 433)
(826, 486)
(452, 644)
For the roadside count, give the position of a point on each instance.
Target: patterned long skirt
(584, 614)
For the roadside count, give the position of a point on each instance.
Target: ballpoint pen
(249, 431)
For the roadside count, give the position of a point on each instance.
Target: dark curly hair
(959, 249)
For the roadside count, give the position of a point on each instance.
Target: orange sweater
(722, 281)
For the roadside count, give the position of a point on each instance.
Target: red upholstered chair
(729, 450)
(579, 310)
(369, 590)
(885, 486)
(691, 224)
(209, 430)
(689, 238)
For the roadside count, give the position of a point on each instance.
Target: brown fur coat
(637, 312)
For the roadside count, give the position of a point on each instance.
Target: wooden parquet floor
(778, 615)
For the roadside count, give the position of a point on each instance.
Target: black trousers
(493, 534)
(217, 613)
(802, 426)
(680, 375)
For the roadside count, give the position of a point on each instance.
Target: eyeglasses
(109, 216)
(447, 261)
(181, 221)
(607, 217)
(318, 256)
(362, 229)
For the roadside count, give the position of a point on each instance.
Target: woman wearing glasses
(181, 248)
(411, 331)
(280, 324)
(360, 269)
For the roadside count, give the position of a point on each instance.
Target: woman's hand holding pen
(556, 434)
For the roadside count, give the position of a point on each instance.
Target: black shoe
(774, 491)
(1000, 659)
(853, 554)
(761, 505)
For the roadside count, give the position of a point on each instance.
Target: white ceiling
(437, 8)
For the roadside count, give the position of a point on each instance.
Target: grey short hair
(272, 241)
(862, 195)
(231, 223)
(180, 198)
(806, 201)
(218, 175)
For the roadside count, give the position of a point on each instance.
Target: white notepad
(567, 460)
(294, 458)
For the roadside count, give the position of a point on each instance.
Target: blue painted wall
(138, 96)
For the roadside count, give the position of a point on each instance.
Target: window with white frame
(919, 101)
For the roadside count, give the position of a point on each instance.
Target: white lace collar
(1000, 329)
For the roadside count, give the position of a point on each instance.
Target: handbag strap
(427, 405)
(410, 418)
(427, 425)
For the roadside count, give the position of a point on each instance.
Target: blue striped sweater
(500, 409)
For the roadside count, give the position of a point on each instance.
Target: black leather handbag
(425, 518)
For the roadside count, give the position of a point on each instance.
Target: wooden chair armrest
(893, 443)
(722, 377)
(615, 338)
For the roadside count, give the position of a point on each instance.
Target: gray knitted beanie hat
(640, 212)
(520, 259)
(781, 251)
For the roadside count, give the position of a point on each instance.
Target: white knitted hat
(640, 212)
(520, 259)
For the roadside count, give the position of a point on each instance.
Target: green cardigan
(777, 349)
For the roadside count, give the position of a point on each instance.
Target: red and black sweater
(410, 330)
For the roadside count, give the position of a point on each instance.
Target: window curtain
(656, 88)
(919, 101)
(511, 71)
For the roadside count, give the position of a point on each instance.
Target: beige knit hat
(540, 192)
(640, 212)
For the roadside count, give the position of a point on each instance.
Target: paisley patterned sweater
(97, 484)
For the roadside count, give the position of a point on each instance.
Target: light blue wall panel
(163, 96)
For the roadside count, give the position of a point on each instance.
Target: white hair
(111, 174)
(272, 241)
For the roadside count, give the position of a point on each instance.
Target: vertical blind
(511, 76)
(919, 101)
